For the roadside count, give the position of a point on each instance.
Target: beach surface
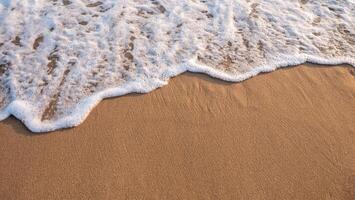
(289, 134)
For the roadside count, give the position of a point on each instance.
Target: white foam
(58, 60)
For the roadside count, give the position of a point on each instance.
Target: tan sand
(289, 134)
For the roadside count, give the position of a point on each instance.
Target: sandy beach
(289, 134)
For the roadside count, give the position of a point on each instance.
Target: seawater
(60, 58)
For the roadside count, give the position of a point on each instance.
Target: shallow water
(59, 58)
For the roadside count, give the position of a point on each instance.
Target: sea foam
(60, 58)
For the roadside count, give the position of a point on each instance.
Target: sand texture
(288, 134)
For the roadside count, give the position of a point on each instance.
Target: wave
(59, 59)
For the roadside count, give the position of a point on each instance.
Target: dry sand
(289, 134)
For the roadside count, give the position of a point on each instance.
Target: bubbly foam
(60, 58)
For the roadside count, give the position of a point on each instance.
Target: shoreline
(23, 111)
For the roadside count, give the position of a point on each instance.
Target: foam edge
(23, 110)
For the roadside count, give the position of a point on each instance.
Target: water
(60, 58)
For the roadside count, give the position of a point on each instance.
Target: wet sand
(288, 134)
